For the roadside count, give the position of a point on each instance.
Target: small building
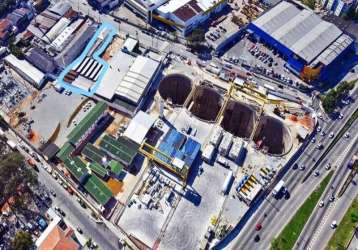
(104, 5)
(130, 45)
(187, 15)
(60, 8)
(57, 236)
(139, 127)
(26, 71)
(5, 30)
(41, 60)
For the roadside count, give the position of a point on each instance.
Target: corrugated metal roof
(303, 32)
(335, 49)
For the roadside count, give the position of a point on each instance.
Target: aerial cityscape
(179, 124)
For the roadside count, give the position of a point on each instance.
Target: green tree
(14, 176)
(22, 241)
(196, 37)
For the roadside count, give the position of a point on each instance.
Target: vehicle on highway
(277, 189)
(258, 227)
(331, 199)
(334, 224)
(331, 135)
(321, 203)
(79, 230)
(302, 167)
(328, 166)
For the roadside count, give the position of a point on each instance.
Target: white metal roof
(303, 32)
(130, 44)
(25, 68)
(119, 66)
(139, 127)
(136, 80)
(56, 30)
(335, 49)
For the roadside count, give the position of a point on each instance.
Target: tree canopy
(22, 241)
(196, 37)
(334, 96)
(5, 6)
(14, 176)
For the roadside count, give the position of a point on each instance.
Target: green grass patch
(345, 229)
(292, 230)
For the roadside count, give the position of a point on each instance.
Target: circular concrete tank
(206, 103)
(175, 87)
(273, 135)
(239, 119)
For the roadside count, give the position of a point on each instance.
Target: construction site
(247, 134)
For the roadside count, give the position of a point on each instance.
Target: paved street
(317, 231)
(78, 216)
(279, 212)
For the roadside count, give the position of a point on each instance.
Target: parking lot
(48, 111)
(261, 59)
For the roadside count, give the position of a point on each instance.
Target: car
(295, 166)
(257, 238)
(347, 135)
(53, 193)
(321, 203)
(340, 116)
(79, 230)
(258, 227)
(302, 167)
(316, 174)
(319, 146)
(334, 224)
(319, 129)
(54, 175)
(331, 135)
(313, 140)
(323, 133)
(328, 166)
(331, 199)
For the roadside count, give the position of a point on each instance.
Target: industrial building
(26, 71)
(181, 15)
(309, 44)
(339, 7)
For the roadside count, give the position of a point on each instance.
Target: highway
(274, 214)
(317, 231)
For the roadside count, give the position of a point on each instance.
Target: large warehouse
(308, 43)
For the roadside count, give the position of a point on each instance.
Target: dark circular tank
(273, 136)
(175, 87)
(206, 103)
(239, 119)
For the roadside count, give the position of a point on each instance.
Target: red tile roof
(59, 240)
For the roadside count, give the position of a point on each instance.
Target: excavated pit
(176, 88)
(273, 136)
(239, 119)
(206, 103)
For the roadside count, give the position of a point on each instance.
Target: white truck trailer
(277, 189)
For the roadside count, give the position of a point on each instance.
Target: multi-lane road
(274, 214)
(317, 230)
